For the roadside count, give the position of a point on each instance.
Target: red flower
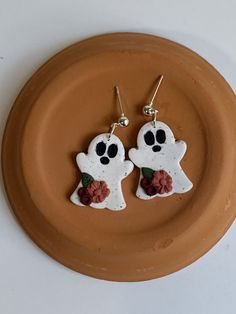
(145, 182)
(159, 183)
(98, 191)
(151, 190)
(162, 181)
(85, 197)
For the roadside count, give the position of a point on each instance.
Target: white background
(30, 32)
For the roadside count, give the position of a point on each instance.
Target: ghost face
(155, 137)
(106, 152)
(155, 144)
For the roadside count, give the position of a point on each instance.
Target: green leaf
(147, 172)
(86, 179)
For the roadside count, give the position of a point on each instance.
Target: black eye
(112, 150)
(100, 148)
(149, 138)
(161, 136)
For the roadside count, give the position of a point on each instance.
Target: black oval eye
(112, 150)
(149, 138)
(161, 136)
(100, 148)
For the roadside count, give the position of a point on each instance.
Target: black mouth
(104, 160)
(156, 148)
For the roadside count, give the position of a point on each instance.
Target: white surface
(30, 32)
(112, 173)
(167, 159)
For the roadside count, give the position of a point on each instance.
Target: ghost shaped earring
(158, 156)
(103, 168)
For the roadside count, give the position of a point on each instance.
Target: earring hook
(119, 100)
(156, 90)
(123, 121)
(149, 109)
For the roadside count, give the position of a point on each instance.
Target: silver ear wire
(149, 109)
(123, 121)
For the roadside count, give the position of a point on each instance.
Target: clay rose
(151, 190)
(159, 183)
(85, 197)
(145, 183)
(98, 191)
(162, 181)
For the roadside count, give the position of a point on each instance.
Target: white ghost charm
(158, 156)
(103, 169)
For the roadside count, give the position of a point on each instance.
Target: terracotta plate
(68, 101)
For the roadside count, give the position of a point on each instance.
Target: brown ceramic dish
(67, 102)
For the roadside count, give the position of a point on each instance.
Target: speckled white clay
(168, 159)
(112, 173)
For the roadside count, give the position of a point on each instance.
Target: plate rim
(140, 277)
